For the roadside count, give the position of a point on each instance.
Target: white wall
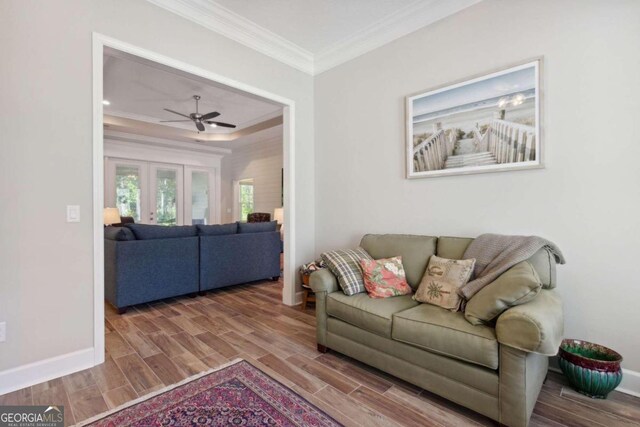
(46, 264)
(586, 200)
(261, 161)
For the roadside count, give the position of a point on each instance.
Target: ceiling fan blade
(175, 112)
(221, 124)
(170, 121)
(200, 126)
(211, 115)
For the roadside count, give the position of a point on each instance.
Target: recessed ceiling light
(105, 102)
(213, 125)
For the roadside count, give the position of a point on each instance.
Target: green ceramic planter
(592, 369)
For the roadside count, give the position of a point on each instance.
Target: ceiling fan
(198, 118)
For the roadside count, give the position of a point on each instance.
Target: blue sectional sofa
(145, 263)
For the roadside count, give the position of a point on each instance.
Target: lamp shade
(111, 216)
(278, 215)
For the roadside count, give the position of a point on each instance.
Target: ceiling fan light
(213, 125)
(105, 102)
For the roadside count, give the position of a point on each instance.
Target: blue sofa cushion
(149, 232)
(118, 233)
(217, 229)
(256, 227)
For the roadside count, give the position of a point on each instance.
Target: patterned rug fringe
(155, 393)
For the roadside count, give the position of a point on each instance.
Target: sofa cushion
(257, 227)
(414, 250)
(452, 247)
(517, 285)
(545, 265)
(118, 233)
(373, 315)
(149, 232)
(217, 229)
(448, 333)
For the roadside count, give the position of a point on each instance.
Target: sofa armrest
(323, 281)
(534, 327)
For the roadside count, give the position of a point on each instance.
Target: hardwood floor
(158, 344)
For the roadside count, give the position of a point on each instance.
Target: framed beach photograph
(483, 124)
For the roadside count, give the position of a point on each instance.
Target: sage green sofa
(495, 370)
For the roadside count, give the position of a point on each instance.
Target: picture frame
(486, 123)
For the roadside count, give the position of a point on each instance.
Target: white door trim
(101, 41)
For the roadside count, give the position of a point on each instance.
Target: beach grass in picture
(484, 124)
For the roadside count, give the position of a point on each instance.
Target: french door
(160, 193)
(166, 199)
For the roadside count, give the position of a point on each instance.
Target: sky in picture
(506, 84)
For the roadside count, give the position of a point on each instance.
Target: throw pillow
(515, 286)
(345, 265)
(118, 233)
(441, 281)
(385, 277)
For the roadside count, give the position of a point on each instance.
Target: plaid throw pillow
(345, 264)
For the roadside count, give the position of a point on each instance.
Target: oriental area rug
(235, 394)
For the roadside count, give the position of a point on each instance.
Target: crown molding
(412, 17)
(416, 15)
(217, 18)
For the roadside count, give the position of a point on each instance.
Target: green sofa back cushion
(518, 285)
(452, 247)
(414, 250)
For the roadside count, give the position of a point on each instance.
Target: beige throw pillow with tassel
(441, 281)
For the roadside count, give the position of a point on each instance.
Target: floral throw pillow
(441, 281)
(384, 277)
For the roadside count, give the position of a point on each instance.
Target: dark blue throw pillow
(217, 229)
(149, 232)
(256, 227)
(118, 233)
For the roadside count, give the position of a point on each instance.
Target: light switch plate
(3, 331)
(73, 213)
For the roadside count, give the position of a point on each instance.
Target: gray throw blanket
(496, 253)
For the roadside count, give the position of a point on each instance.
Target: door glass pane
(128, 191)
(199, 197)
(166, 186)
(246, 198)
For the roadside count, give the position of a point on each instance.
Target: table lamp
(111, 216)
(278, 216)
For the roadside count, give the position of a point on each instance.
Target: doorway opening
(165, 174)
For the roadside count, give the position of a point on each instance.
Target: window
(245, 197)
(128, 191)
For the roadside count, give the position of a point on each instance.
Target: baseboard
(44, 370)
(630, 383)
(630, 379)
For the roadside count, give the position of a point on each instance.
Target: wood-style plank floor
(159, 344)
